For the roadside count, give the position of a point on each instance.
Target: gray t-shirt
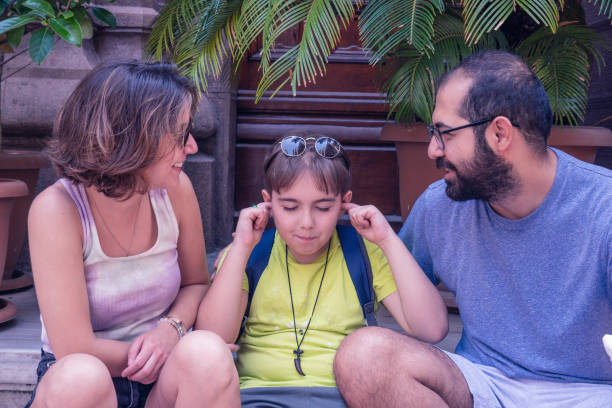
(534, 294)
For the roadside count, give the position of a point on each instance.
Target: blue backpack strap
(359, 267)
(258, 260)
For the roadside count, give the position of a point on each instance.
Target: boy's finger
(349, 206)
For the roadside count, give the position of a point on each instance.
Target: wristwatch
(176, 323)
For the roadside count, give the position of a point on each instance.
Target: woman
(117, 246)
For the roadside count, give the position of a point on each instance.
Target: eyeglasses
(434, 131)
(187, 132)
(294, 146)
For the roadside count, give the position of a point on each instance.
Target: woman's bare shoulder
(54, 202)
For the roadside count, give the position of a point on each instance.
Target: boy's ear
(267, 197)
(347, 197)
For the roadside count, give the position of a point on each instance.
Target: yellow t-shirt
(265, 358)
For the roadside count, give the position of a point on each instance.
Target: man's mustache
(442, 163)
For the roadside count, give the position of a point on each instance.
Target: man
(522, 234)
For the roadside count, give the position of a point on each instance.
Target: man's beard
(487, 177)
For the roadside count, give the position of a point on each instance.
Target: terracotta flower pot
(22, 165)
(9, 191)
(417, 171)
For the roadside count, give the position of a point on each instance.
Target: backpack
(355, 256)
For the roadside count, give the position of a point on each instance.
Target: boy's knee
(78, 377)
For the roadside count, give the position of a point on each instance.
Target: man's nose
(434, 150)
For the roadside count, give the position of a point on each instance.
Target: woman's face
(165, 170)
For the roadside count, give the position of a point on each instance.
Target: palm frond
(321, 33)
(561, 62)
(174, 18)
(203, 46)
(569, 33)
(564, 74)
(284, 15)
(484, 16)
(385, 24)
(605, 7)
(411, 74)
(249, 26)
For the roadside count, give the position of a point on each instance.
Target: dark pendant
(297, 362)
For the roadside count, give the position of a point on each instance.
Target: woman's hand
(369, 222)
(251, 224)
(148, 353)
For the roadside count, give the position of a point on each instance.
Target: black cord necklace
(298, 352)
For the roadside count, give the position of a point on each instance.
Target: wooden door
(344, 104)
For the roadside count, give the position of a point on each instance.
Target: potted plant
(43, 22)
(412, 43)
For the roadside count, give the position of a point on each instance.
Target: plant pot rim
(21, 159)
(559, 136)
(12, 188)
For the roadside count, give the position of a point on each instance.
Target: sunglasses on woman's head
(326, 147)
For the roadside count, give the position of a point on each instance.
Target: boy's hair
(330, 175)
(117, 121)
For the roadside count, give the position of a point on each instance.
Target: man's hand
(148, 353)
(369, 222)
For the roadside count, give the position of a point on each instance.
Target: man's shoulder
(580, 170)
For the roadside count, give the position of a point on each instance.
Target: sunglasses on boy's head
(294, 146)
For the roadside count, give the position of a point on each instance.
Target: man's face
(472, 169)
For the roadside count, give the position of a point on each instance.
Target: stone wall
(33, 94)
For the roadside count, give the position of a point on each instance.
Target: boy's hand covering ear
(369, 222)
(251, 224)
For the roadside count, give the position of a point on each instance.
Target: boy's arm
(417, 306)
(224, 304)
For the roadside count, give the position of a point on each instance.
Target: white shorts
(492, 389)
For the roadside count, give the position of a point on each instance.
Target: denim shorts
(492, 389)
(291, 397)
(130, 394)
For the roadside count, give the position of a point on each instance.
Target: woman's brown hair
(330, 175)
(116, 122)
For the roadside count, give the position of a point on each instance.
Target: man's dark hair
(503, 85)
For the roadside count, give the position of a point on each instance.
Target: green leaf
(68, 29)
(562, 61)
(84, 21)
(40, 6)
(15, 22)
(385, 24)
(105, 16)
(484, 16)
(605, 7)
(199, 35)
(409, 75)
(14, 37)
(40, 45)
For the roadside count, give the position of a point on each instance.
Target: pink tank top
(128, 295)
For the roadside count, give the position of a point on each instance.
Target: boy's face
(305, 217)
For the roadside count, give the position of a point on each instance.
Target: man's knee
(364, 344)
